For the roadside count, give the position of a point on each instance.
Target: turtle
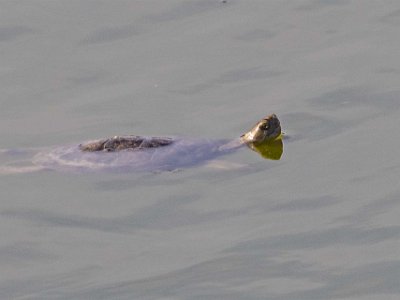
(141, 153)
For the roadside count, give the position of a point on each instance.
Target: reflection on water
(269, 150)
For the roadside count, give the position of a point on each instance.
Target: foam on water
(18, 161)
(9, 170)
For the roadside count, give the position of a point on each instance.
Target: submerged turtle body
(182, 152)
(125, 153)
(268, 128)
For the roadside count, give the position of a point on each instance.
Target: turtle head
(267, 129)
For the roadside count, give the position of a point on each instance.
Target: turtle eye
(263, 126)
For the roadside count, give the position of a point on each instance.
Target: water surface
(321, 223)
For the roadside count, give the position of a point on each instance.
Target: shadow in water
(231, 77)
(345, 235)
(242, 271)
(343, 98)
(12, 32)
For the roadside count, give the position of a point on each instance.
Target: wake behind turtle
(140, 153)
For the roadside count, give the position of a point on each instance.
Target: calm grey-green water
(321, 223)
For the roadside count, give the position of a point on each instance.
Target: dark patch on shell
(131, 142)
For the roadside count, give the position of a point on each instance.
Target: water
(321, 223)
